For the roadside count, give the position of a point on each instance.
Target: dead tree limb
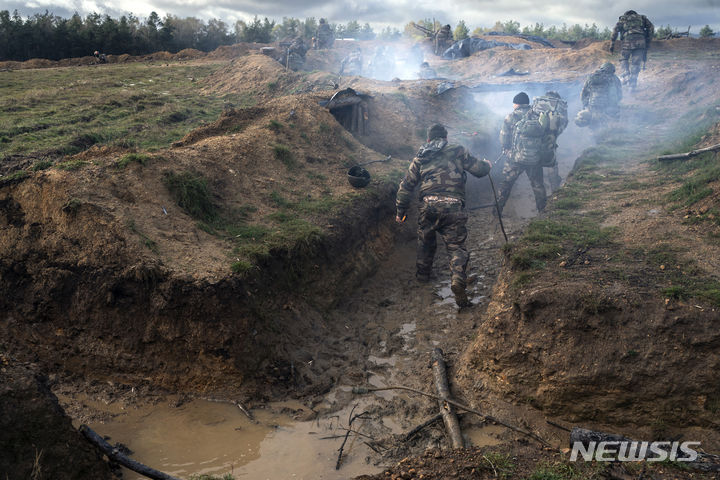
(685, 156)
(448, 412)
(114, 455)
(347, 434)
(426, 423)
(363, 390)
(705, 462)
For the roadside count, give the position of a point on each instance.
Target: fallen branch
(426, 423)
(363, 390)
(114, 455)
(448, 413)
(347, 434)
(684, 156)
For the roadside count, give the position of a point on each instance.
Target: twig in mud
(375, 449)
(556, 425)
(426, 423)
(363, 390)
(244, 410)
(347, 434)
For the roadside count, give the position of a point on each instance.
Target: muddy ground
(112, 320)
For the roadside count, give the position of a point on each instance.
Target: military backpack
(633, 24)
(556, 110)
(530, 139)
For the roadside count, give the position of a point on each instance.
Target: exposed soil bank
(38, 439)
(109, 315)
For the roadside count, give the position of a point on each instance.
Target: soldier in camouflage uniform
(324, 35)
(513, 168)
(352, 64)
(440, 169)
(600, 96)
(295, 57)
(443, 39)
(635, 32)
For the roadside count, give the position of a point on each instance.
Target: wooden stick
(114, 455)
(426, 423)
(684, 156)
(362, 390)
(448, 413)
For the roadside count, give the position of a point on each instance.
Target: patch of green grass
(241, 266)
(147, 241)
(71, 164)
(137, 105)
(686, 280)
(697, 186)
(285, 155)
(190, 191)
(501, 464)
(41, 165)
(274, 125)
(126, 160)
(272, 86)
(278, 200)
(554, 471)
(14, 177)
(324, 128)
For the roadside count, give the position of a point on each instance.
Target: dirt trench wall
(82, 299)
(38, 439)
(604, 354)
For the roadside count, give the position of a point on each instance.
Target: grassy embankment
(49, 113)
(578, 229)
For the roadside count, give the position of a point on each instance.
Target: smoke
(387, 62)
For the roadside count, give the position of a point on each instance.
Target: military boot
(461, 298)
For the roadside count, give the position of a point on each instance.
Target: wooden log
(685, 156)
(705, 462)
(448, 412)
(114, 455)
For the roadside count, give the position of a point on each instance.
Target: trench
(381, 334)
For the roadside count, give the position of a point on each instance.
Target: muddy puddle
(215, 438)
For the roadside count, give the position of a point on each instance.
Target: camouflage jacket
(440, 169)
(601, 91)
(508, 129)
(633, 27)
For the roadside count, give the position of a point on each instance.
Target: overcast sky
(380, 13)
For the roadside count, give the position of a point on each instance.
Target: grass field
(61, 111)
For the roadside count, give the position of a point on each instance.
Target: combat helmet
(607, 67)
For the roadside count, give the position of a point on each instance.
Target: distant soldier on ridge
(443, 39)
(353, 63)
(601, 95)
(635, 32)
(324, 35)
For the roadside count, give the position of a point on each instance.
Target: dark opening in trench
(350, 109)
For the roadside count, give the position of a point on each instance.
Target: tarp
(465, 48)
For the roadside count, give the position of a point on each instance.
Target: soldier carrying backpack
(556, 108)
(531, 148)
(635, 32)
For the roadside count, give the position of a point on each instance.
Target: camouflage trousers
(630, 65)
(447, 219)
(511, 172)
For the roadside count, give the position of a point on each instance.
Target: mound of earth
(38, 439)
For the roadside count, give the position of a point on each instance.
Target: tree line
(49, 36)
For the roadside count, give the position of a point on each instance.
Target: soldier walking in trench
(440, 169)
(521, 149)
(635, 32)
